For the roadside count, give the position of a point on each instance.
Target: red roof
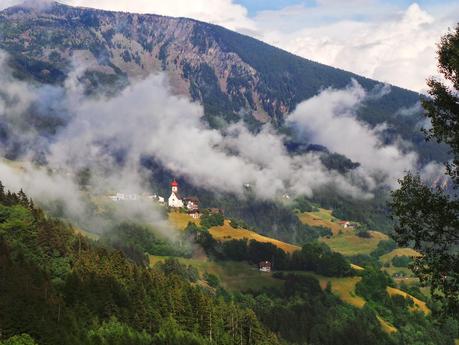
(174, 183)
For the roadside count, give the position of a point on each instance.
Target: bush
(364, 234)
(384, 247)
(401, 261)
(209, 220)
(212, 280)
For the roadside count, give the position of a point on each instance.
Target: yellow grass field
(321, 218)
(227, 232)
(350, 244)
(344, 288)
(399, 252)
(358, 268)
(181, 220)
(418, 304)
(386, 326)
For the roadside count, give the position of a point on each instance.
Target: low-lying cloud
(329, 119)
(110, 136)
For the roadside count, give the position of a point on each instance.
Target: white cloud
(170, 129)
(221, 12)
(329, 119)
(387, 44)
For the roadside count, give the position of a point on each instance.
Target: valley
(168, 181)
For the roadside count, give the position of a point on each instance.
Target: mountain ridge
(245, 73)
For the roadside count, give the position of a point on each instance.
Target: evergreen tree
(428, 218)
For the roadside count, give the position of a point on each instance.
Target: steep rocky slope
(232, 75)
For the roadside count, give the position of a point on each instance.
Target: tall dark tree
(428, 217)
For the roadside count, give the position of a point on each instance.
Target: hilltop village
(175, 201)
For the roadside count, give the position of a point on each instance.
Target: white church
(175, 200)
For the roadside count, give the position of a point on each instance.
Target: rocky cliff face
(115, 45)
(229, 73)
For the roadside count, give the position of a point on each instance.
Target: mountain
(232, 75)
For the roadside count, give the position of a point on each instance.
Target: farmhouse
(346, 224)
(264, 266)
(191, 203)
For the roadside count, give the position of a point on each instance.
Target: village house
(264, 266)
(195, 214)
(191, 203)
(346, 224)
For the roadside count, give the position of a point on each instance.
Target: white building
(124, 197)
(175, 200)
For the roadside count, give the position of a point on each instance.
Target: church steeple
(174, 186)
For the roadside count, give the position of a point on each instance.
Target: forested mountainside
(234, 76)
(58, 287)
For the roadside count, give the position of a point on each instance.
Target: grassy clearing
(399, 252)
(344, 289)
(312, 219)
(323, 218)
(350, 244)
(234, 276)
(418, 304)
(227, 232)
(181, 220)
(357, 268)
(386, 260)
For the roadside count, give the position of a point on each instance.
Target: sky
(393, 41)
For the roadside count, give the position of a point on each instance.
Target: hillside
(62, 288)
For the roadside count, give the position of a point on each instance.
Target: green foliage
(135, 240)
(23, 339)
(428, 218)
(401, 261)
(302, 313)
(63, 289)
(363, 260)
(373, 285)
(384, 247)
(171, 333)
(303, 205)
(113, 332)
(212, 280)
(316, 257)
(209, 220)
